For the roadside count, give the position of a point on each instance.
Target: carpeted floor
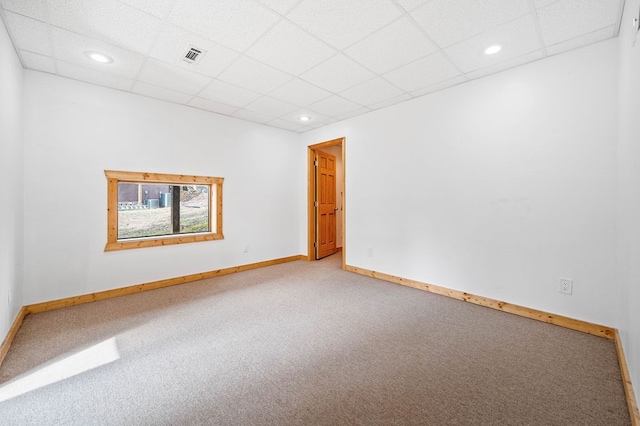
(304, 343)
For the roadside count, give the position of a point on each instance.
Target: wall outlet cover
(566, 286)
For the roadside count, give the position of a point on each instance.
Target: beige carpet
(304, 343)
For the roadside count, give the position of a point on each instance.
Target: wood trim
(594, 329)
(218, 211)
(112, 209)
(160, 177)
(114, 177)
(311, 177)
(344, 203)
(164, 241)
(332, 142)
(8, 340)
(632, 403)
(108, 294)
(573, 324)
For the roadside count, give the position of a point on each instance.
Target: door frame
(311, 190)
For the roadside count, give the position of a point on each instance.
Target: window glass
(150, 208)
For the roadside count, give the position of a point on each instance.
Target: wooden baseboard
(583, 326)
(594, 329)
(108, 294)
(632, 403)
(17, 322)
(586, 327)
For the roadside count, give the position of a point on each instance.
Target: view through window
(148, 209)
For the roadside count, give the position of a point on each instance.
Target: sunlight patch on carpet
(88, 359)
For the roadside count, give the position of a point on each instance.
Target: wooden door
(325, 204)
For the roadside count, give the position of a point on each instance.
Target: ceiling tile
(575, 43)
(217, 59)
(451, 21)
(411, 4)
(254, 75)
(31, 8)
(159, 8)
(34, 61)
(174, 41)
(70, 47)
(516, 38)
(569, 19)
(440, 86)
(294, 117)
(256, 117)
(145, 89)
(273, 57)
(542, 3)
(353, 113)
(334, 106)
(88, 75)
(423, 73)
(342, 23)
(391, 47)
(299, 92)
(234, 23)
(172, 77)
(107, 20)
(337, 74)
(281, 124)
(372, 92)
(280, 6)
(226, 93)
(270, 106)
(392, 101)
(290, 49)
(504, 65)
(28, 34)
(319, 125)
(212, 106)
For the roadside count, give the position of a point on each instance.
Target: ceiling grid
(273, 61)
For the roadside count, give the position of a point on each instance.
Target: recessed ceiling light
(493, 49)
(304, 118)
(98, 57)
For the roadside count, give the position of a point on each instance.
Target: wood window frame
(115, 177)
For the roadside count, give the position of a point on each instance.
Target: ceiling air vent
(193, 55)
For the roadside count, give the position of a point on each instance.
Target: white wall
(74, 131)
(496, 187)
(629, 191)
(11, 222)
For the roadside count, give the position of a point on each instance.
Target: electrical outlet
(566, 286)
(370, 252)
(245, 248)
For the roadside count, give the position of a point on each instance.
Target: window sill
(134, 243)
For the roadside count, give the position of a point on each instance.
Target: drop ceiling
(272, 61)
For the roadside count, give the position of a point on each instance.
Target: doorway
(320, 221)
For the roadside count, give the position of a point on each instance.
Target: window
(151, 209)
